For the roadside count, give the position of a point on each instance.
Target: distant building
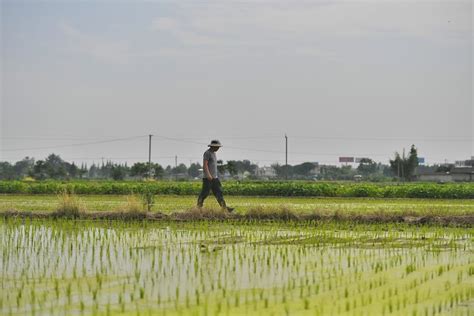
(455, 174)
(463, 174)
(266, 172)
(464, 163)
(316, 171)
(432, 175)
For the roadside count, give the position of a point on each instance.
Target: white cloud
(229, 29)
(319, 29)
(103, 49)
(299, 23)
(164, 24)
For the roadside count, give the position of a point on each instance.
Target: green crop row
(292, 188)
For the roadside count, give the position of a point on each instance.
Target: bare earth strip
(280, 214)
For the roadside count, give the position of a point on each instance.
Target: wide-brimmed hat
(215, 143)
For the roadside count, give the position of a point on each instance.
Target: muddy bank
(278, 215)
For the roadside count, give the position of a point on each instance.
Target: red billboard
(346, 159)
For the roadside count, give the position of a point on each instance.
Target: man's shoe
(230, 209)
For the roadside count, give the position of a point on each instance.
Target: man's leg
(206, 188)
(217, 190)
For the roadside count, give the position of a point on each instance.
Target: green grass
(67, 267)
(170, 204)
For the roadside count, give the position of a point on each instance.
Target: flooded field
(209, 268)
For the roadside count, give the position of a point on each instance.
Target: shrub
(69, 205)
(132, 205)
(148, 198)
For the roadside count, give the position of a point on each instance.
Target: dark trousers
(216, 187)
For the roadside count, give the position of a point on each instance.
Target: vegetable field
(211, 268)
(292, 188)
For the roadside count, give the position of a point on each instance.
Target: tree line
(54, 167)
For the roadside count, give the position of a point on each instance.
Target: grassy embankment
(181, 207)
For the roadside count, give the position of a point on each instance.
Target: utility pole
(403, 167)
(286, 157)
(398, 169)
(149, 155)
(176, 166)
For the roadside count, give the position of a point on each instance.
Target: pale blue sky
(362, 78)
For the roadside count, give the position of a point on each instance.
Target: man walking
(210, 180)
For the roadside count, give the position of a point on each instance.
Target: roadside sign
(359, 159)
(421, 159)
(346, 159)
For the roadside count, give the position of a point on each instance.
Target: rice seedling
(59, 267)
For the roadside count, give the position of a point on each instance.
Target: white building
(266, 172)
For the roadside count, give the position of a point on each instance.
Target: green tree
(105, 170)
(404, 167)
(194, 170)
(82, 170)
(283, 171)
(232, 167)
(221, 167)
(56, 168)
(168, 172)
(444, 168)
(39, 171)
(119, 172)
(412, 163)
(397, 165)
(139, 169)
(73, 170)
(180, 169)
(158, 171)
(337, 173)
(7, 171)
(304, 169)
(23, 167)
(367, 167)
(93, 171)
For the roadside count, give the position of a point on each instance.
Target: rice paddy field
(67, 267)
(234, 266)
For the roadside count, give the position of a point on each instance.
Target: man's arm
(206, 170)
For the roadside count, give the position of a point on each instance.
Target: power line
(431, 139)
(116, 158)
(58, 138)
(274, 151)
(224, 137)
(191, 139)
(232, 148)
(73, 145)
(182, 140)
